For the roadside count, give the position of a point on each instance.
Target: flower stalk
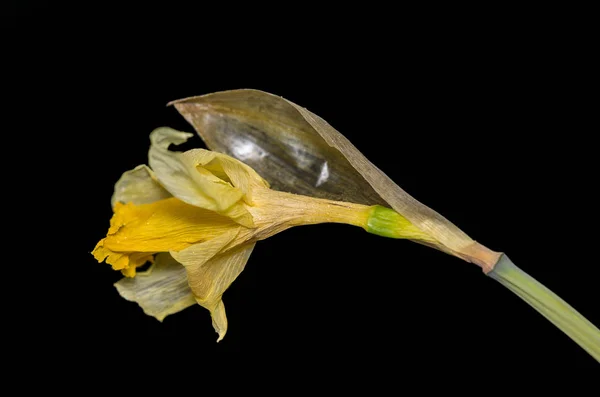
(549, 305)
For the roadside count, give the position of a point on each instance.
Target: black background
(481, 118)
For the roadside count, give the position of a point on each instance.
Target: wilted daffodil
(207, 210)
(273, 165)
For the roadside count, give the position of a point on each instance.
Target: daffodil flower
(197, 215)
(207, 210)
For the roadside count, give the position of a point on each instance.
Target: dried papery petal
(184, 175)
(138, 186)
(161, 290)
(210, 272)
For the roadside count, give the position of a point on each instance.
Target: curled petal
(161, 290)
(227, 168)
(210, 272)
(138, 186)
(180, 175)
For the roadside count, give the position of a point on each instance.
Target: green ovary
(388, 223)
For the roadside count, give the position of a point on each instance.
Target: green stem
(550, 305)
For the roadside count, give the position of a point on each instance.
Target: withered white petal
(211, 271)
(138, 186)
(161, 290)
(179, 175)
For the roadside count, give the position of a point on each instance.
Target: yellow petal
(161, 290)
(161, 226)
(138, 186)
(180, 175)
(138, 231)
(210, 273)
